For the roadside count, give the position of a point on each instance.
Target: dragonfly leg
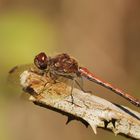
(72, 86)
(81, 85)
(54, 77)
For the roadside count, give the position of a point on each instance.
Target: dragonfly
(64, 65)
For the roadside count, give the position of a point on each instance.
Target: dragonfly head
(41, 61)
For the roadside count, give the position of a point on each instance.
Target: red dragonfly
(64, 65)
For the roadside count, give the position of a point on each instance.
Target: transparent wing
(13, 80)
(15, 72)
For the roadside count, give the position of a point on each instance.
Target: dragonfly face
(41, 61)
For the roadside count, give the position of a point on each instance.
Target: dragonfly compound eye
(41, 61)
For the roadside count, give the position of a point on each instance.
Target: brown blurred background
(102, 35)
